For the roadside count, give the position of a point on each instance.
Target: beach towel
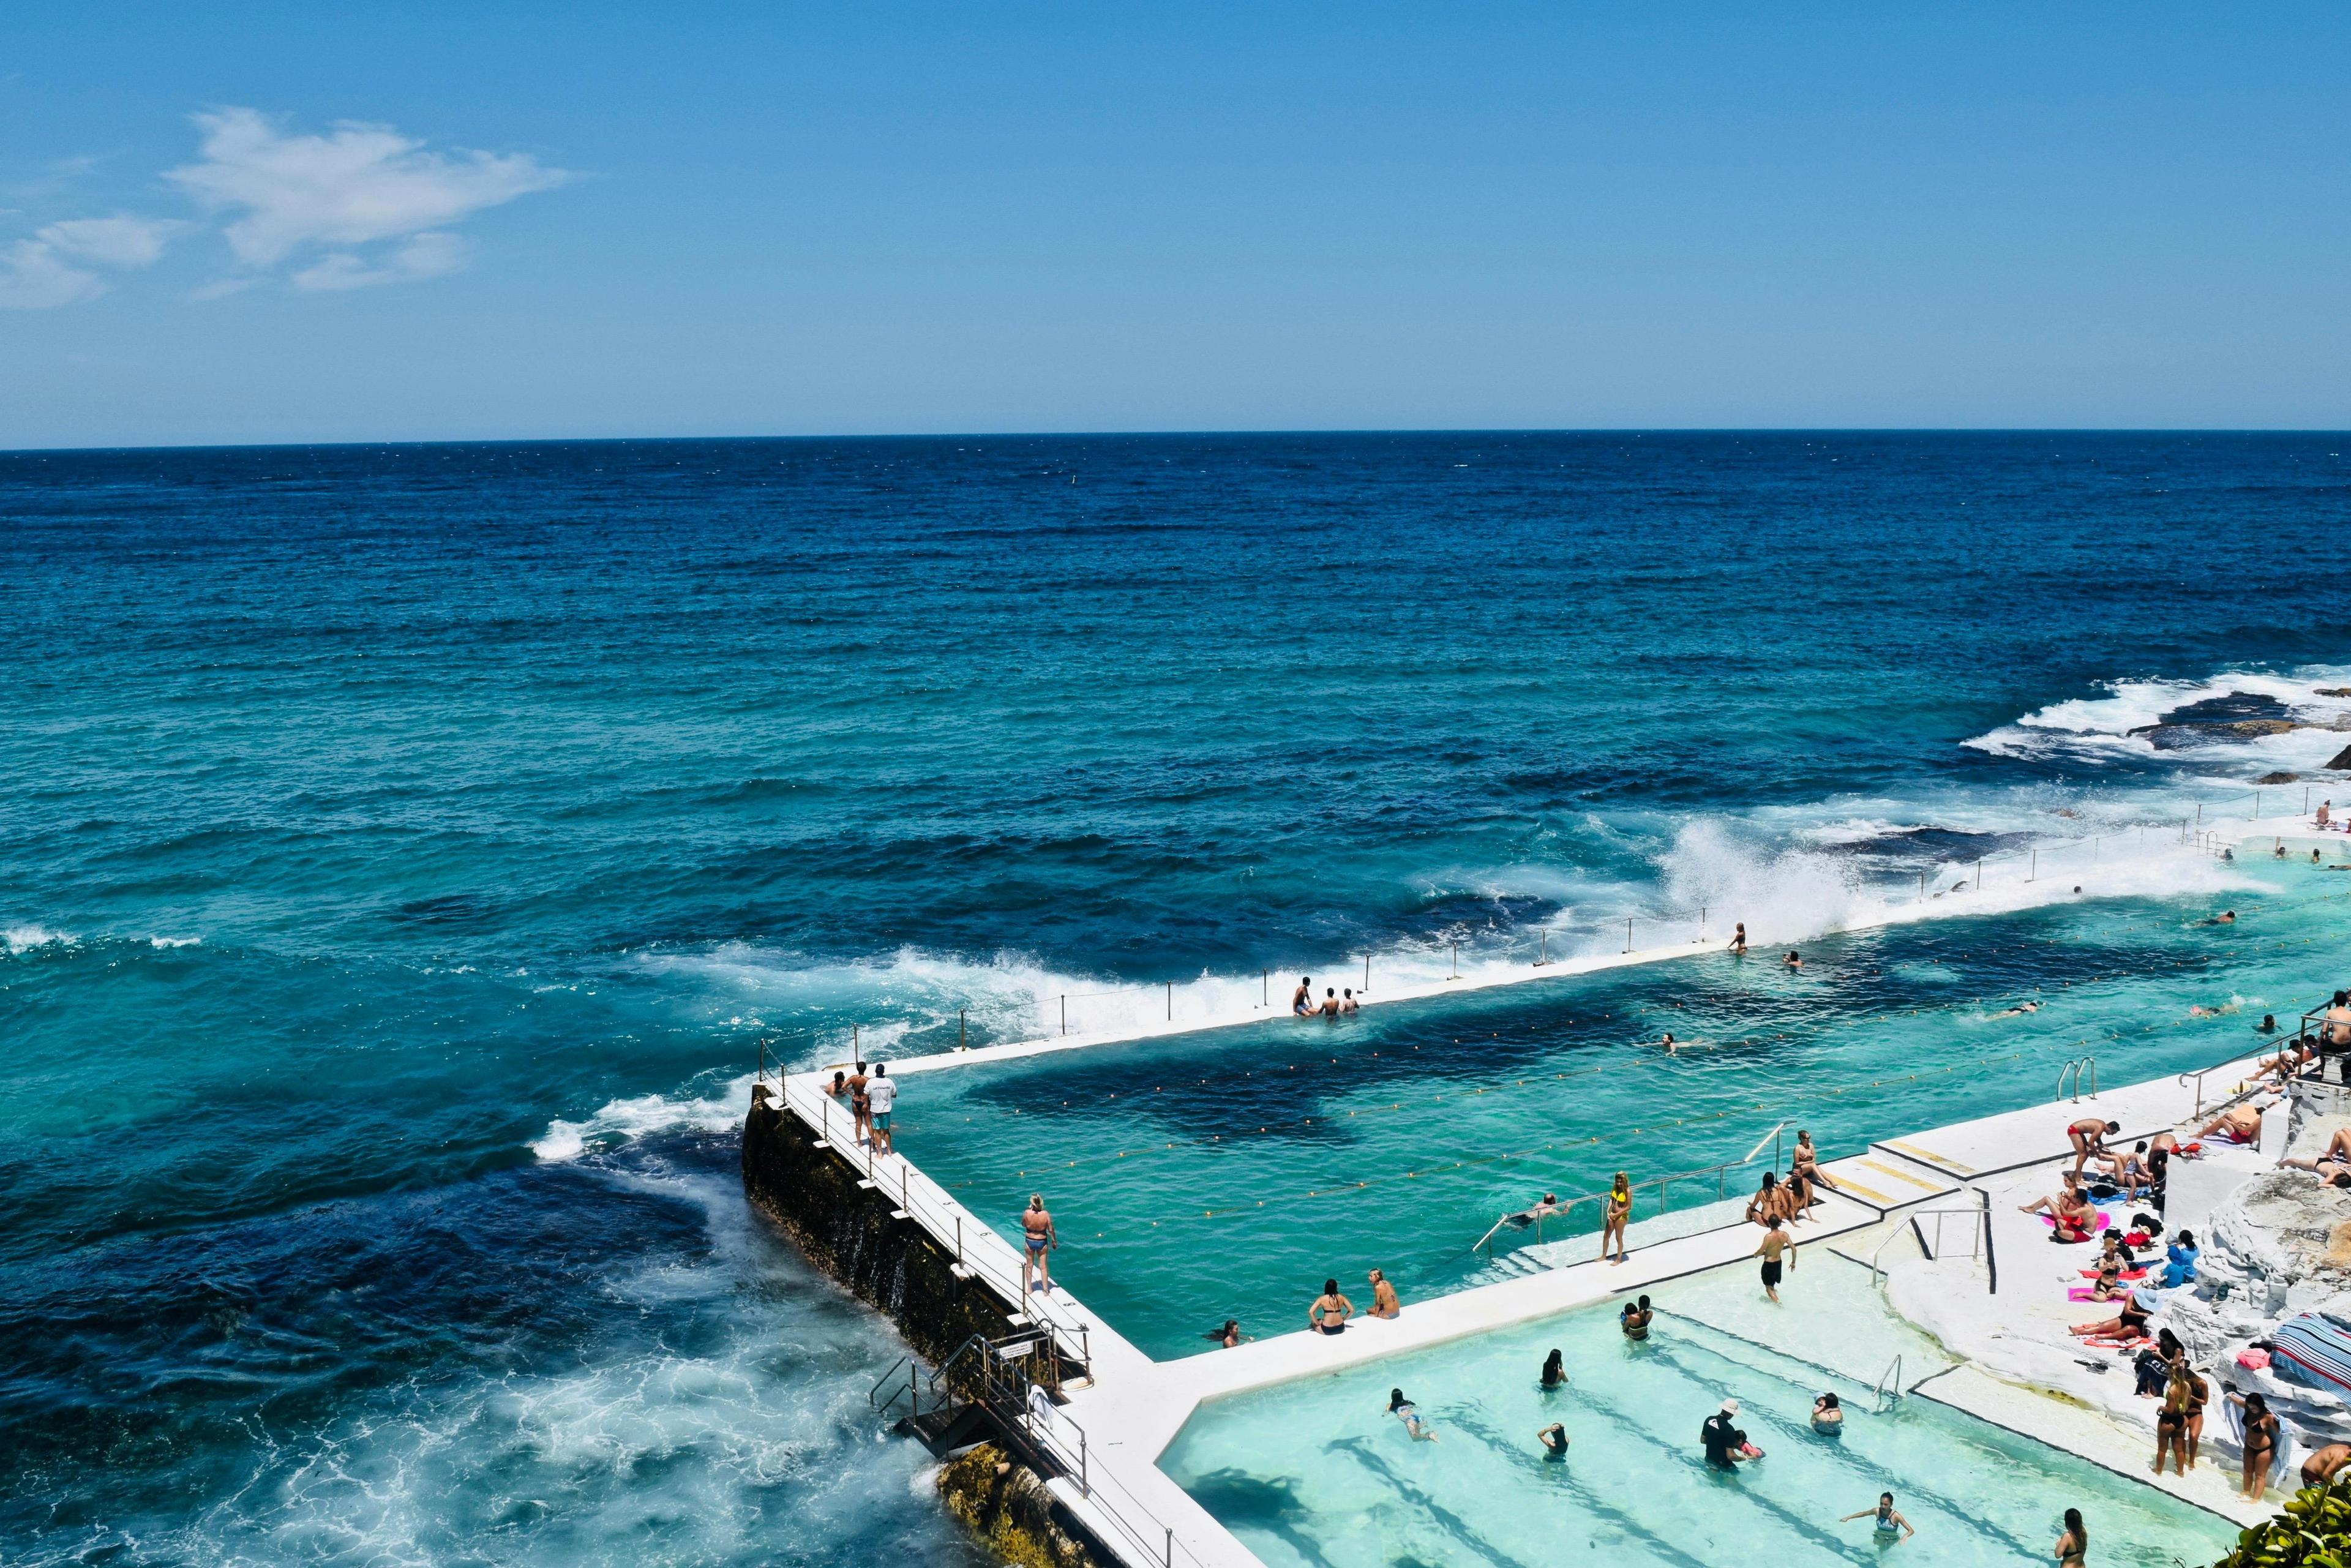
(2137, 1273)
(2311, 1350)
(2253, 1359)
(2086, 1293)
(2189, 1152)
(2137, 1342)
(2104, 1220)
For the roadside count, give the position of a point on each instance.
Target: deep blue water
(405, 852)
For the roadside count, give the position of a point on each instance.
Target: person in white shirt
(880, 1093)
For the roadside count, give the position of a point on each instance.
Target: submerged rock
(2342, 759)
(2278, 779)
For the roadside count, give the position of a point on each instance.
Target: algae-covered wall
(848, 1232)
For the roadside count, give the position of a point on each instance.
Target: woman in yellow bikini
(1619, 1208)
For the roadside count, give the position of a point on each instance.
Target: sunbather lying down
(2334, 1165)
(2239, 1124)
(2129, 1324)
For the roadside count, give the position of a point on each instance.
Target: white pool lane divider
(1132, 1407)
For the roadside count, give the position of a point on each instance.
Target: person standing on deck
(1739, 940)
(881, 1093)
(2089, 1139)
(860, 1113)
(1615, 1211)
(1036, 1229)
(2337, 1023)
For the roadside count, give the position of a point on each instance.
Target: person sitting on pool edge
(1331, 1311)
(1302, 1000)
(1890, 1527)
(1384, 1303)
(1634, 1319)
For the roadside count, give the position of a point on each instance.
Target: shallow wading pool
(1316, 1472)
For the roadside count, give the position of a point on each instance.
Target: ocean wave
(623, 1121)
(24, 938)
(167, 941)
(2101, 727)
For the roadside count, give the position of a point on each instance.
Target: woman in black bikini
(1331, 1311)
(2261, 1443)
(2074, 1546)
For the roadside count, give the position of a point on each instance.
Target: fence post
(1065, 1012)
(2033, 869)
(1543, 948)
(1628, 933)
(1454, 966)
(1979, 873)
(1171, 1001)
(1367, 974)
(1922, 887)
(959, 1027)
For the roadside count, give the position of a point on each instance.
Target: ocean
(407, 854)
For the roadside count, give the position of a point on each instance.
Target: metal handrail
(2075, 1068)
(1893, 1377)
(1896, 1234)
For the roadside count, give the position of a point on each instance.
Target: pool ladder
(1889, 1385)
(2073, 1069)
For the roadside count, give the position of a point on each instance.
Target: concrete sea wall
(851, 1231)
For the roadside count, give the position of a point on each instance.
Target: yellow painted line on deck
(1898, 1176)
(1846, 1184)
(1930, 1155)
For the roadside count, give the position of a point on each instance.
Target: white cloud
(33, 277)
(40, 273)
(362, 185)
(120, 241)
(428, 254)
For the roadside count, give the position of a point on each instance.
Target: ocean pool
(1316, 1474)
(1226, 1173)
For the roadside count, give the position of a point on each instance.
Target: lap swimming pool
(1226, 1173)
(1316, 1473)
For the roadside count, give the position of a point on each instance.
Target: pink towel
(2085, 1293)
(2137, 1273)
(2253, 1359)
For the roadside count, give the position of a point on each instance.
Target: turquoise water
(1270, 1157)
(406, 853)
(1316, 1472)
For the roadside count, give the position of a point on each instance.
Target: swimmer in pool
(1889, 1526)
(1553, 1439)
(2020, 1008)
(1739, 940)
(1794, 960)
(1828, 1416)
(1634, 1319)
(1405, 1411)
(1669, 1042)
(1554, 1374)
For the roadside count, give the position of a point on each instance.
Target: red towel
(2137, 1273)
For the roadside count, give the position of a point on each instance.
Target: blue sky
(288, 222)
